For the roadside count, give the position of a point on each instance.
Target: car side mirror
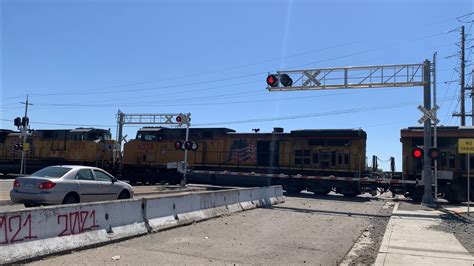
(114, 179)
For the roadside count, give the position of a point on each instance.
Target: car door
(87, 185)
(108, 190)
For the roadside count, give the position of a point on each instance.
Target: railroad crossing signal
(428, 114)
(404, 75)
(186, 145)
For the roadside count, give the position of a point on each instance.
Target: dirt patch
(366, 248)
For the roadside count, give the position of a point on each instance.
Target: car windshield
(52, 172)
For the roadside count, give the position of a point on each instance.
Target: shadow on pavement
(324, 212)
(328, 197)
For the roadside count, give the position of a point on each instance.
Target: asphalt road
(6, 185)
(304, 229)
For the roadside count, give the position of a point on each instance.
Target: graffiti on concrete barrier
(76, 222)
(15, 229)
(19, 228)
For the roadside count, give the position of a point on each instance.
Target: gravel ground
(303, 230)
(463, 229)
(365, 250)
(461, 226)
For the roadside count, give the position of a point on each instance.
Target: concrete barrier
(40, 231)
(36, 232)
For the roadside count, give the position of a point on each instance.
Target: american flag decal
(241, 151)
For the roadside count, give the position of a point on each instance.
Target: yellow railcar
(82, 146)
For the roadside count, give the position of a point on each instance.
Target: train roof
(317, 133)
(191, 129)
(86, 129)
(443, 131)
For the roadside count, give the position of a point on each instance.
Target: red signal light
(417, 153)
(272, 80)
(46, 185)
(178, 145)
(179, 119)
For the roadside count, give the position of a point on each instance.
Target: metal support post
(184, 181)
(468, 184)
(427, 181)
(435, 137)
(24, 135)
(120, 124)
(472, 98)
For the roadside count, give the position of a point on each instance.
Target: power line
(94, 91)
(299, 116)
(329, 113)
(179, 103)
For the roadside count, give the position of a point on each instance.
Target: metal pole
(120, 122)
(472, 98)
(463, 107)
(24, 133)
(183, 182)
(468, 184)
(427, 181)
(435, 131)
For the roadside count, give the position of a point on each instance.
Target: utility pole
(24, 134)
(462, 113)
(463, 106)
(435, 131)
(427, 180)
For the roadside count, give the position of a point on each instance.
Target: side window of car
(84, 174)
(100, 176)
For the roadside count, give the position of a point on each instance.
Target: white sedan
(68, 184)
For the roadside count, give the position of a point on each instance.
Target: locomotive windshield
(147, 136)
(90, 134)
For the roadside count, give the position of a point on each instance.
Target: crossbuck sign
(428, 114)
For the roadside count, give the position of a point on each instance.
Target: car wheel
(71, 199)
(124, 195)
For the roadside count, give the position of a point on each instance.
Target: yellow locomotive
(83, 146)
(152, 156)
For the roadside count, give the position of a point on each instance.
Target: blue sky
(80, 61)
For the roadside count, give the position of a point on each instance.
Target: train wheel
(416, 196)
(321, 192)
(350, 194)
(456, 196)
(293, 189)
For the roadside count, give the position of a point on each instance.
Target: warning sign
(26, 146)
(466, 146)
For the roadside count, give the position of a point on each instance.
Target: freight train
(81, 146)
(315, 160)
